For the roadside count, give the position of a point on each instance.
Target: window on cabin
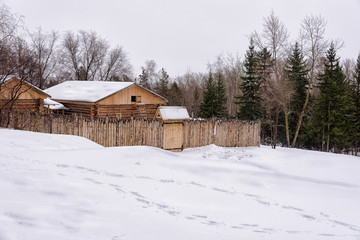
(136, 99)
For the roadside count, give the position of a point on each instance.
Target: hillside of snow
(65, 187)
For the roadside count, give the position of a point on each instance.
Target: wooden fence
(132, 132)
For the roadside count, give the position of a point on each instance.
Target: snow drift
(65, 187)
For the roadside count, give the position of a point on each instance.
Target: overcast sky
(182, 35)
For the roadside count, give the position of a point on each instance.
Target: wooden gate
(173, 136)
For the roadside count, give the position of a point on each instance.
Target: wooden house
(95, 99)
(21, 95)
(173, 118)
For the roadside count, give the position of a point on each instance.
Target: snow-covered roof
(173, 113)
(48, 103)
(86, 91)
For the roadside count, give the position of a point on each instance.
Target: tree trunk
(276, 127)
(302, 114)
(323, 140)
(287, 129)
(328, 131)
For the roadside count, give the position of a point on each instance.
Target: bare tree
(275, 38)
(44, 47)
(9, 24)
(87, 56)
(84, 54)
(149, 75)
(116, 66)
(312, 37)
(231, 67)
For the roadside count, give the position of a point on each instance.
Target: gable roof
(15, 78)
(88, 91)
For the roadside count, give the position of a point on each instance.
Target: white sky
(183, 35)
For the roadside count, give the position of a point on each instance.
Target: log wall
(23, 105)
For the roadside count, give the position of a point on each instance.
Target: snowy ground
(64, 187)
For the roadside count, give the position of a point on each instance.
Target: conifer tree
(221, 99)
(162, 86)
(195, 103)
(208, 106)
(249, 100)
(296, 73)
(331, 118)
(267, 108)
(356, 101)
(144, 79)
(175, 96)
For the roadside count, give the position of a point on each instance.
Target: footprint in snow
(87, 169)
(308, 217)
(114, 175)
(292, 208)
(62, 165)
(93, 181)
(221, 190)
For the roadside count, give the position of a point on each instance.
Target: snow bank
(65, 187)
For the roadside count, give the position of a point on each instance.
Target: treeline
(300, 89)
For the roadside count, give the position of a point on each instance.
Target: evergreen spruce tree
(267, 112)
(195, 103)
(356, 101)
(175, 96)
(249, 100)
(221, 99)
(331, 118)
(208, 106)
(144, 79)
(264, 65)
(162, 86)
(296, 73)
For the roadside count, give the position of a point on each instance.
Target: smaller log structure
(19, 95)
(173, 118)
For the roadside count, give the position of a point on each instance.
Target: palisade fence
(133, 132)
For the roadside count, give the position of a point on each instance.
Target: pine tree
(296, 73)
(249, 100)
(331, 119)
(221, 99)
(208, 106)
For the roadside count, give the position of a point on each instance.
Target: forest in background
(303, 93)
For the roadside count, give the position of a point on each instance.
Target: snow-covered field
(64, 187)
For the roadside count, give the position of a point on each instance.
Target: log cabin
(19, 95)
(112, 100)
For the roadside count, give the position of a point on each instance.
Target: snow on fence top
(85, 91)
(173, 113)
(48, 103)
